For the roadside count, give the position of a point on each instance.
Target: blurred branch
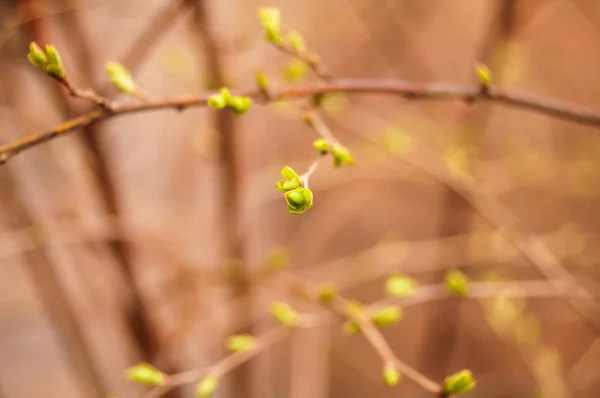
(411, 91)
(513, 229)
(225, 366)
(234, 268)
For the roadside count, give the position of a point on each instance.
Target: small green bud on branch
(386, 316)
(321, 145)
(146, 374)
(400, 286)
(270, 19)
(327, 293)
(120, 77)
(391, 375)
(240, 343)
(341, 155)
(207, 387)
(484, 74)
(299, 200)
(48, 60)
(459, 382)
(285, 314)
(457, 283)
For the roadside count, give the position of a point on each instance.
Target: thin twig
(414, 91)
(342, 307)
(225, 366)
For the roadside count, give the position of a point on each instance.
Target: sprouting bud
(120, 77)
(484, 74)
(240, 104)
(262, 82)
(457, 282)
(400, 286)
(351, 328)
(386, 316)
(54, 66)
(270, 19)
(459, 382)
(291, 180)
(144, 373)
(321, 145)
(285, 314)
(207, 387)
(295, 70)
(37, 56)
(327, 293)
(297, 42)
(226, 95)
(341, 155)
(299, 200)
(216, 101)
(391, 375)
(241, 342)
(277, 258)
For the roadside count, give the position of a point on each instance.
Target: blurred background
(142, 238)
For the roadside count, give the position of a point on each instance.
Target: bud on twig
(144, 373)
(459, 382)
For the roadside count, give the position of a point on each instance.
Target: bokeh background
(139, 238)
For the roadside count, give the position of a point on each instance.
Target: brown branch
(413, 91)
(342, 308)
(233, 265)
(222, 368)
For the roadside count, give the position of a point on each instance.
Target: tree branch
(408, 90)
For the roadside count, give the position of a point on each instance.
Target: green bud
(207, 387)
(278, 258)
(285, 314)
(37, 56)
(146, 374)
(270, 19)
(240, 105)
(291, 181)
(400, 286)
(484, 74)
(261, 81)
(459, 382)
(341, 155)
(216, 101)
(386, 316)
(226, 95)
(327, 293)
(351, 328)
(297, 42)
(321, 145)
(295, 70)
(120, 77)
(457, 282)
(391, 375)
(241, 342)
(54, 65)
(299, 200)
